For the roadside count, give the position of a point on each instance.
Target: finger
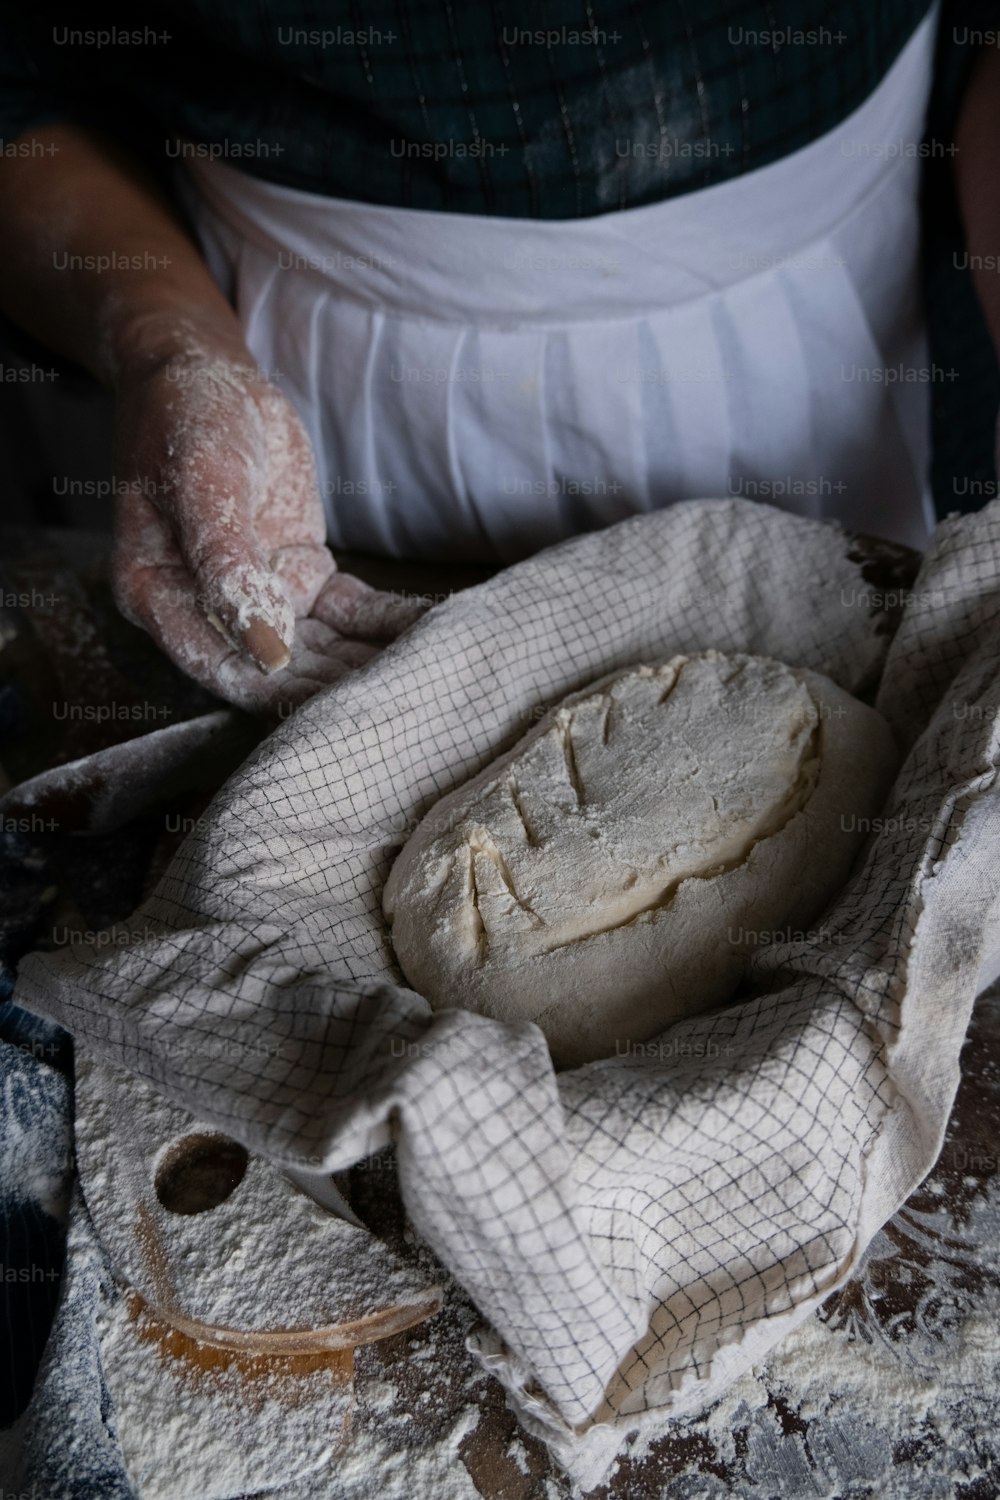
(163, 603)
(238, 593)
(318, 661)
(162, 600)
(325, 657)
(303, 570)
(155, 591)
(142, 542)
(356, 609)
(320, 641)
(291, 513)
(211, 493)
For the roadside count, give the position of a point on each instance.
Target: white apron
(479, 388)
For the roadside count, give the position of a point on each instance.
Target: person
(459, 284)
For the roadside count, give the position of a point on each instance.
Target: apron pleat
(594, 417)
(688, 371)
(502, 440)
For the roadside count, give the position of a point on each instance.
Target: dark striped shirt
(512, 107)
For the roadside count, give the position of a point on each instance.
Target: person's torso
(517, 109)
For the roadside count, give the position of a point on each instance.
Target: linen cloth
(638, 1232)
(478, 388)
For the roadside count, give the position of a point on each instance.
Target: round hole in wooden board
(199, 1172)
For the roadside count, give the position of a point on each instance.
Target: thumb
(247, 604)
(236, 589)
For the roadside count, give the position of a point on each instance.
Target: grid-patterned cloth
(637, 1232)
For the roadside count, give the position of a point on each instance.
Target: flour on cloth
(639, 1232)
(615, 871)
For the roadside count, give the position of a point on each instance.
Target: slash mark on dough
(530, 836)
(565, 730)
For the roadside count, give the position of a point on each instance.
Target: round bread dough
(617, 868)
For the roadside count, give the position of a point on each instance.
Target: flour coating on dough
(605, 876)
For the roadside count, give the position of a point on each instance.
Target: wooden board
(221, 1245)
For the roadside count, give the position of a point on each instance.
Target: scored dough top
(615, 870)
(655, 775)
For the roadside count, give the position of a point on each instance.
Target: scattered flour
(862, 1401)
(374, 1466)
(216, 1433)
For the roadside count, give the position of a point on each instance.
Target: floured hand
(219, 538)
